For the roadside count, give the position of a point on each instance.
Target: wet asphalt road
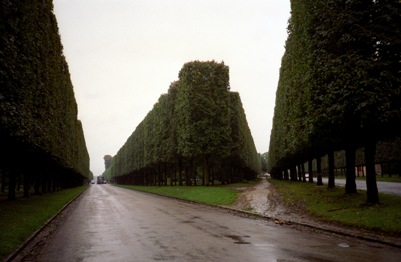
(383, 187)
(115, 224)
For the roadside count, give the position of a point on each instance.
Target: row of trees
(339, 86)
(42, 141)
(196, 132)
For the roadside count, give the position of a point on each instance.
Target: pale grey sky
(123, 54)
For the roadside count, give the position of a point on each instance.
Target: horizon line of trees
(197, 132)
(339, 88)
(42, 141)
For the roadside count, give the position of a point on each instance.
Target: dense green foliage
(339, 86)
(198, 131)
(40, 135)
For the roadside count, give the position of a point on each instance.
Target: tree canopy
(197, 131)
(340, 81)
(39, 128)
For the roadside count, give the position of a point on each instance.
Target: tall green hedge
(197, 131)
(38, 111)
(339, 86)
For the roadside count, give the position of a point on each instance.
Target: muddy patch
(263, 199)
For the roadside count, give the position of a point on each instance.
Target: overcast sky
(123, 54)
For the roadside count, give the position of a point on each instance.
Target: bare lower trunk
(3, 181)
(303, 172)
(331, 183)
(350, 185)
(299, 173)
(319, 171)
(205, 172)
(180, 172)
(310, 168)
(371, 185)
(27, 184)
(286, 177)
(11, 186)
(293, 173)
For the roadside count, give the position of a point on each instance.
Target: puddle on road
(343, 244)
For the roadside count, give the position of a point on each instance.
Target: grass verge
(212, 195)
(19, 219)
(333, 205)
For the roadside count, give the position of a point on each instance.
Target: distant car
(92, 181)
(101, 180)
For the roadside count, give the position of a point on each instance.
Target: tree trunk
(3, 181)
(293, 173)
(211, 174)
(299, 173)
(399, 169)
(286, 177)
(11, 185)
(350, 185)
(331, 183)
(18, 181)
(159, 175)
(44, 182)
(50, 181)
(174, 170)
(188, 173)
(27, 184)
(37, 182)
(371, 185)
(303, 172)
(205, 171)
(180, 172)
(319, 171)
(310, 168)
